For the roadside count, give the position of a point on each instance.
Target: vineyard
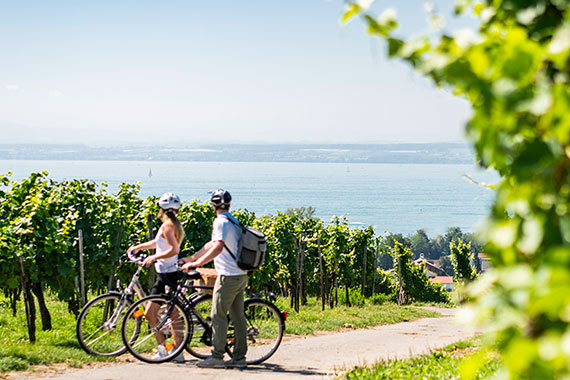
(42, 220)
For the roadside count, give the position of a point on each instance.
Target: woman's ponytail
(178, 230)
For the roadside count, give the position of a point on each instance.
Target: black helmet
(221, 198)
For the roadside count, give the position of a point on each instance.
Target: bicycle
(184, 321)
(98, 324)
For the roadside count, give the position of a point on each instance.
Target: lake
(400, 198)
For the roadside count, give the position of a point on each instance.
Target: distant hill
(433, 153)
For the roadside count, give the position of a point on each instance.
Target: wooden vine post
(28, 303)
(364, 262)
(299, 285)
(321, 275)
(111, 283)
(81, 271)
(375, 269)
(402, 293)
(302, 296)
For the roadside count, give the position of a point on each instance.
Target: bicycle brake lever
(134, 259)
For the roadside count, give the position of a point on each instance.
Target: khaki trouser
(228, 297)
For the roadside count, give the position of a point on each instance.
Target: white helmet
(169, 201)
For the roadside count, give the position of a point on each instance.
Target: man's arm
(210, 251)
(198, 254)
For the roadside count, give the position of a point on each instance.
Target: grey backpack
(251, 248)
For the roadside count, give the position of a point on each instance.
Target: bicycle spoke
(200, 344)
(265, 329)
(96, 333)
(152, 320)
(98, 338)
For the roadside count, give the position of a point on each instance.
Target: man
(229, 287)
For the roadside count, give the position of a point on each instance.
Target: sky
(190, 72)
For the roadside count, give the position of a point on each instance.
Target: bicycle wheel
(200, 344)
(169, 323)
(98, 327)
(265, 328)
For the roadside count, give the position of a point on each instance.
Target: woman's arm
(169, 234)
(151, 244)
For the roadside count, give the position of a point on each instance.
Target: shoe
(179, 358)
(161, 352)
(211, 362)
(236, 363)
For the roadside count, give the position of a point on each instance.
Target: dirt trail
(319, 357)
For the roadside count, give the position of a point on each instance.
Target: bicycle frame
(134, 286)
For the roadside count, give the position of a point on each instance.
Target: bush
(381, 298)
(355, 297)
(387, 284)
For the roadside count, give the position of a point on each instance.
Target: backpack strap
(235, 224)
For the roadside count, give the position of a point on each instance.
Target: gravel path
(319, 357)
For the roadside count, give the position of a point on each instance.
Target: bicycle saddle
(193, 274)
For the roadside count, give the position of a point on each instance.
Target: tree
(420, 244)
(461, 260)
(515, 72)
(302, 212)
(439, 247)
(446, 265)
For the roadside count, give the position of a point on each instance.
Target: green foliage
(35, 227)
(197, 219)
(380, 299)
(387, 283)
(433, 248)
(447, 266)
(41, 220)
(355, 298)
(461, 260)
(515, 73)
(415, 282)
(435, 366)
(301, 212)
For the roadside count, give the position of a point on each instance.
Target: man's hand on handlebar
(189, 264)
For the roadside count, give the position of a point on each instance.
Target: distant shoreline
(434, 153)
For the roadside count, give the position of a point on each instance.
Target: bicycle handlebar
(134, 259)
(191, 272)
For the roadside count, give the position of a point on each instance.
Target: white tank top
(167, 265)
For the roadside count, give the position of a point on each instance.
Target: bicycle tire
(144, 345)
(265, 329)
(200, 344)
(98, 328)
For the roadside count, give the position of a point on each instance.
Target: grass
(56, 346)
(60, 344)
(311, 319)
(450, 363)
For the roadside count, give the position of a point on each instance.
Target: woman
(167, 244)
